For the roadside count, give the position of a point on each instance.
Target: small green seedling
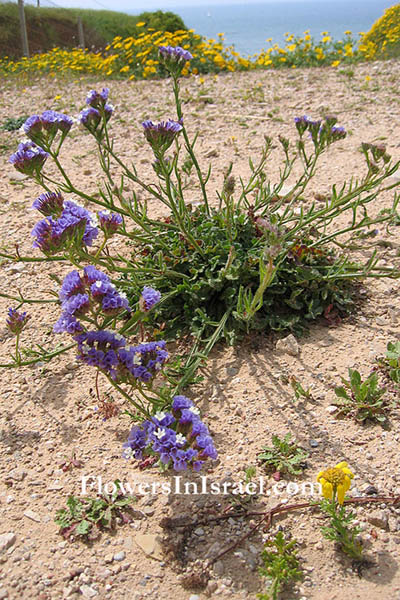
(340, 530)
(362, 400)
(281, 566)
(284, 456)
(297, 388)
(12, 124)
(249, 473)
(86, 517)
(391, 362)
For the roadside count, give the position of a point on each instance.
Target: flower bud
(161, 135)
(16, 321)
(149, 298)
(29, 158)
(174, 59)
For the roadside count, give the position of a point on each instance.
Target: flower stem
(42, 357)
(189, 146)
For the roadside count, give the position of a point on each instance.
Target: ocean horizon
(248, 26)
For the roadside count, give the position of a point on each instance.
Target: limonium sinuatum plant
(258, 259)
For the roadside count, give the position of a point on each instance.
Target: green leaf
(83, 527)
(355, 378)
(341, 392)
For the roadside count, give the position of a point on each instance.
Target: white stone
(120, 556)
(32, 515)
(87, 591)
(288, 345)
(6, 541)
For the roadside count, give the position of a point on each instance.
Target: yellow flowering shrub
(59, 61)
(383, 39)
(136, 56)
(304, 51)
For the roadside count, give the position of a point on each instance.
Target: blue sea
(248, 25)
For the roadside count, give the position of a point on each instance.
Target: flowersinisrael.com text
(177, 485)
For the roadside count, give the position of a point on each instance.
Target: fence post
(81, 35)
(24, 35)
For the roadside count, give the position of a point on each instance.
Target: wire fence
(32, 38)
(90, 4)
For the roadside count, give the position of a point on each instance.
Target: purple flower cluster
(91, 117)
(149, 298)
(161, 135)
(321, 132)
(99, 349)
(378, 152)
(73, 227)
(16, 321)
(108, 352)
(143, 361)
(109, 222)
(301, 124)
(94, 291)
(338, 133)
(49, 204)
(29, 158)
(177, 53)
(43, 128)
(305, 124)
(174, 58)
(97, 99)
(179, 437)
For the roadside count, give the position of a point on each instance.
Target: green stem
(43, 357)
(17, 354)
(62, 170)
(19, 258)
(23, 300)
(101, 248)
(190, 369)
(175, 211)
(138, 406)
(133, 176)
(188, 145)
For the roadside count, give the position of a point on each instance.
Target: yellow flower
(335, 63)
(335, 481)
(348, 49)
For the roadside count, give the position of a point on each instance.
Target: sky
(139, 5)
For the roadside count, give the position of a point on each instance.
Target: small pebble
(120, 556)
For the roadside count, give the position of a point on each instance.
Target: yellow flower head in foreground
(335, 481)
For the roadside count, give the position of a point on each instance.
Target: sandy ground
(48, 411)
